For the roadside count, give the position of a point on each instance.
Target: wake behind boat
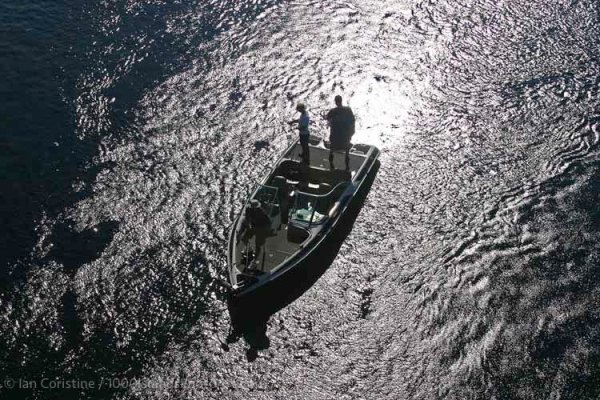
(291, 212)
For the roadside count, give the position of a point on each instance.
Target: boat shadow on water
(250, 314)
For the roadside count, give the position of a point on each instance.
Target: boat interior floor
(277, 249)
(319, 157)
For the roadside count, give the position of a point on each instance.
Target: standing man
(341, 121)
(259, 225)
(303, 121)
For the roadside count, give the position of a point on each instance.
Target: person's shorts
(339, 143)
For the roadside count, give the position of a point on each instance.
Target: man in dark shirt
(341, 121)
(257, 217)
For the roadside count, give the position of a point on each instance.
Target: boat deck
(277, 249)
(319, 157)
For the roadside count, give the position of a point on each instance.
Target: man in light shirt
(303, 121)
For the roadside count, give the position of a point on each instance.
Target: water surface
(130, 133)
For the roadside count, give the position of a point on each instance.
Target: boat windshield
(313, 208)
(309, 208)
(267, 195)
(269, 199)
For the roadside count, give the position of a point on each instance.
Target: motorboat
(303, 200)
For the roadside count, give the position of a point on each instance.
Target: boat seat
(275, 218)
(329, 176)
(324, 188)
(280, 183)
(283, 194)
(317, 188)
(290, 169)
(296, 234)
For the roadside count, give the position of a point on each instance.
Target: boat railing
(364, 166)
(336, 187)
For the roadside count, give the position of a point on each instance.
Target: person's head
(301, 108)
(338, 100)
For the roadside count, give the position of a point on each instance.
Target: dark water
(128, 143)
